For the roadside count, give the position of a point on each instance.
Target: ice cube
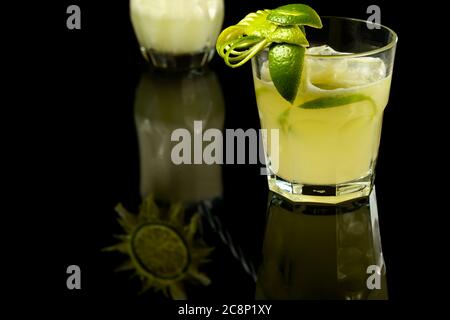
(337, 72)
(345, 72)
(364, 70)
(265, 72)
(324, 51)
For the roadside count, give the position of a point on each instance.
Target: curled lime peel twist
(268, 29)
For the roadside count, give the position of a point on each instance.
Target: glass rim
(386, 47)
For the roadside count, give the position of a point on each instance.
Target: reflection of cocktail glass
(314, 251)
(164, 103)
(164, 241)
(329, 137)
(177, 34)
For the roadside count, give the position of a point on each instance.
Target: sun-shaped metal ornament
(163, 250)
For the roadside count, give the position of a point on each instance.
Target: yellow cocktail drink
(336, 141)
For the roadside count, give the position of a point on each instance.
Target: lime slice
(295, 14)
(285, 66)
(290, 34)
(160, 251)
(336, 101)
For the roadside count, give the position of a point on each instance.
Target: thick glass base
(177, 62)
(322, 193)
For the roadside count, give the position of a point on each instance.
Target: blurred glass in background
(177, 34)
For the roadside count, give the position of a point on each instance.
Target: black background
(85, 147)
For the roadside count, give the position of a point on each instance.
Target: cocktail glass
(329, 137)
(177, 34)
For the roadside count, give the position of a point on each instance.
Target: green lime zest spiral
(280, 30)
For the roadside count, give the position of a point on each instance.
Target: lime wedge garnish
(295, 14)
(290, 34)
(282, 30)
(285, 66)
(337, 101)
(160, 251)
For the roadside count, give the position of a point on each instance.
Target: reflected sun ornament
(162, 249)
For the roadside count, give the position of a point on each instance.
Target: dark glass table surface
(88, 159)
(263, 246)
